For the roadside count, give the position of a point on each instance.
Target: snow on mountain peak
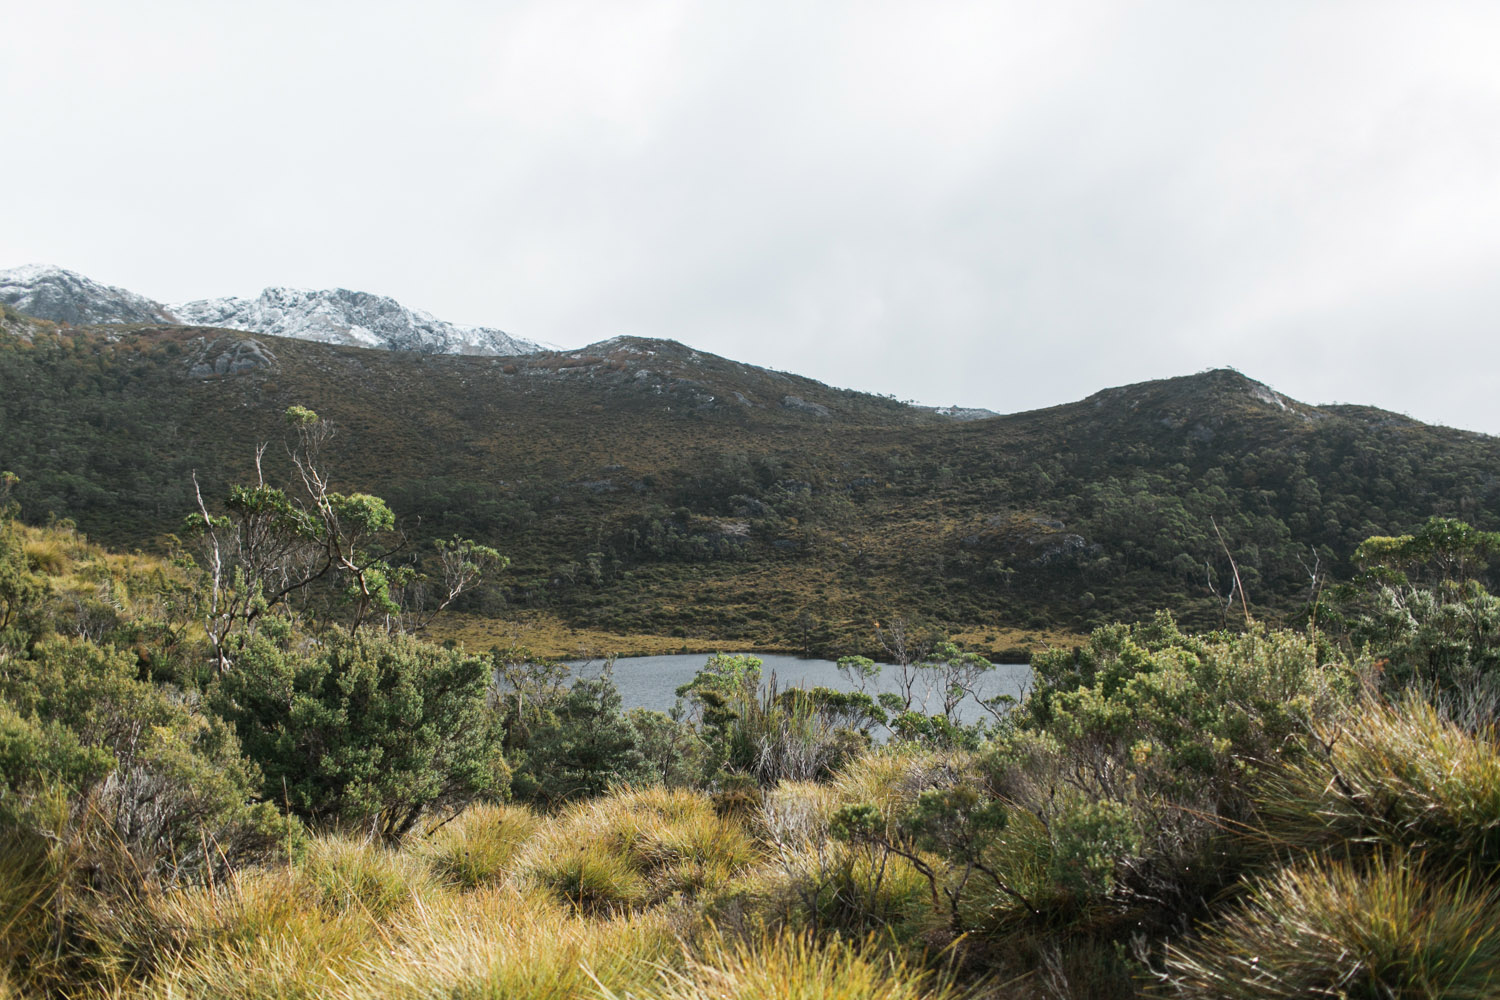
(330, 316)
(339, 316)
(63, 296)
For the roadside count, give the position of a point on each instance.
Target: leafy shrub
(365, 729)
(171, 784)
(111, 793)
(581, 747)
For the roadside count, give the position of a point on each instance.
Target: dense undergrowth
(319, 805)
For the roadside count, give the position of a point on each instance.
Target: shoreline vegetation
(216, 784)
(551, 637)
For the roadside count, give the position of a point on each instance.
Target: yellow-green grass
(1397, 775)
(635, 848)
(788, 965)
(1383, 929)
(479, 847)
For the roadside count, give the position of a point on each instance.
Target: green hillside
(642, 487)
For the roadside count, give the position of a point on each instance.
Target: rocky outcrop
(221, 357)
(799, 405)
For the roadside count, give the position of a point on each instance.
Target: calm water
(652, 681)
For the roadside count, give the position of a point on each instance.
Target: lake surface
(652, 681)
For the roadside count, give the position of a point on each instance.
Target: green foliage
(365, 729)
(671, 749)
(773, 735)
(1443, 551)
(1418, 602)
(586, 746)
(1089, 841)
(74, 716)
(1181, 709)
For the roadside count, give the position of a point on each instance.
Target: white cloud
(1001, 204)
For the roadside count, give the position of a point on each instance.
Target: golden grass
(635, 848)
(342, 874)
(1338, 930)
(480, 846)
(1398, 775)
(794, 966)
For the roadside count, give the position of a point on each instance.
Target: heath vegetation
(236, 769)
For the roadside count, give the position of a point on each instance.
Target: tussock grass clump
(481, 846)
(1397, 775)
(343, 873)
(45, 554)
(796, 966)
(891, 778)
(1338, 930)
(636, 848)
(501, 943)
(262, 936)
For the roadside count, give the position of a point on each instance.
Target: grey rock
(799, 405)
(222, 357)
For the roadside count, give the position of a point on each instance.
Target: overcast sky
(1002, 204)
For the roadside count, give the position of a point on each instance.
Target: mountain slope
(642, 486)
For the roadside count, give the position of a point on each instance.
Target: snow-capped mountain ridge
(330, 316)
(49, 292)
(341, 316)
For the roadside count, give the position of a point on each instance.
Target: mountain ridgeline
(640, 486)
(329, 316)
